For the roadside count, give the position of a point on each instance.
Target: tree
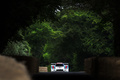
(83, 37)
(17, 48)
(38, 36)
(19, 14)
(76, 35)
(89, 29)
(109, 11)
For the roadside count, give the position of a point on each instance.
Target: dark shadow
(62, 76)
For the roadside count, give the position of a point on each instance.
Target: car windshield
(59, 64)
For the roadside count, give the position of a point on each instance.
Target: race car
(59, 67)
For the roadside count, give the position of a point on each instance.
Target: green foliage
(49, 68)
(46, 57)
(84, 35)
(21, 13)
(98, 40)
(92, 33)
(39, 35)
(74, 62)
(109, 11)
(17, 48)
(74, 37)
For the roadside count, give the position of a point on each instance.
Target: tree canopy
(19, 14)
(76, 35)
(63, 30)
(109, 10)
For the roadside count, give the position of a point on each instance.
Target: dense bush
(17, 48)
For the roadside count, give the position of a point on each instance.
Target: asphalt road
(62, 76)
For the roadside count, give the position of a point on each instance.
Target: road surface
(62, 76)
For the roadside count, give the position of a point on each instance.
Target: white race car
(59, 67)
